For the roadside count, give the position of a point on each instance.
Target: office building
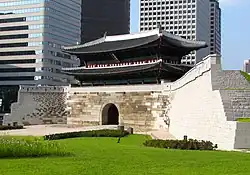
(31, 35)
(215, 27)
(187, 18)
(246, 66)
(101, 16)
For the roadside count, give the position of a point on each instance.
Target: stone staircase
(229, 79)
(236, 103)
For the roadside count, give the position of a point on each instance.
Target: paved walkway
(41, 130)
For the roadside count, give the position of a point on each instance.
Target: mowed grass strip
(129, 157)
(245, 120)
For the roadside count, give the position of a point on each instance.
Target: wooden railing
(123, 64)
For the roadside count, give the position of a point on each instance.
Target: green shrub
(243, 119)
(246, 75)
(14, 147)
(94, 133)
(190, 144)
(10, 127)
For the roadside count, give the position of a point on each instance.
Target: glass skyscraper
(101, 16)
(190, 19)
(31, 35)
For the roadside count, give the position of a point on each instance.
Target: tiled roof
(121, 42)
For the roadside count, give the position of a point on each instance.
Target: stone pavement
(41, 130)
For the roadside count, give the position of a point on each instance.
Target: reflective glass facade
(101, 16)
(19, 2)
(190, 19)
(31, 35)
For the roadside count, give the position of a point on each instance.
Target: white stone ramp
(41, 130)
(162, 135)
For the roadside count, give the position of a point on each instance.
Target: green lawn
(245, 120)
(105, 156)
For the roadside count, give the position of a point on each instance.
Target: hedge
(4, 127)
(181, 144)
(94, 133)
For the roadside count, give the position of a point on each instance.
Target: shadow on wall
(8, 95)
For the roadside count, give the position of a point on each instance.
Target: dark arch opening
(110, 115)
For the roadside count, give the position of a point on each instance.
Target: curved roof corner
(127, 41)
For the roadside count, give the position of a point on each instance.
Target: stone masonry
(213, 101)
(136, 109)
(41, 105)
(203, 104)
(236, 103)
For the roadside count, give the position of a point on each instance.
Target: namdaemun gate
(143, 58)
(137, 82)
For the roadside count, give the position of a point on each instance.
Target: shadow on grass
(42, 156)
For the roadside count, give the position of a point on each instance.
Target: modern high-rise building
(246, 66)
(31, 35)
(101, 16)
(187, 18)
(215, 27)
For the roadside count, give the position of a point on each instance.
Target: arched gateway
(110, 115)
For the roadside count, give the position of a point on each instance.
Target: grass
(17, 147)
(245, 89)
(243, 120)
(246, 75)
(104, 156)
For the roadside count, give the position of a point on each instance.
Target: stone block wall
(242, 136)
(39, 105)
(197, 112)
(228, 79)
(236, 103)
(139, 110)
(201, 105)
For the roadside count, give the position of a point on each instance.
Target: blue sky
(235, 31)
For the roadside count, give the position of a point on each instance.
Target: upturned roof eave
(176, 40)
(114, 38)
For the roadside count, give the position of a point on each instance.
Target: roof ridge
(143, 37)
(91, 43)
(168, 34)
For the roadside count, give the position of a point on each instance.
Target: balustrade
(123, 64)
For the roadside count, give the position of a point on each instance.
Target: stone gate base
(203, 104)
(139, 110)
